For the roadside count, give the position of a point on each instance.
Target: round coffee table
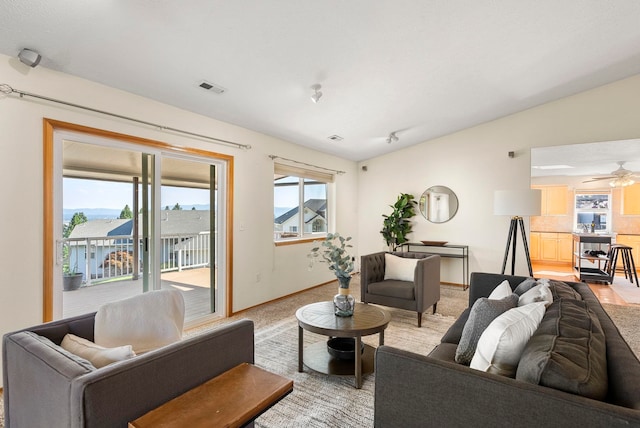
(319, 318)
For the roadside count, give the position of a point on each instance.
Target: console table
(449, 251)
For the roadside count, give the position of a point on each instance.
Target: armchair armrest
(427, 282)
(371, 270)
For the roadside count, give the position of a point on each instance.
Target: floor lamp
(516, 203)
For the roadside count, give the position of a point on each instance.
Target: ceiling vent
(335, 138)
(212, 87)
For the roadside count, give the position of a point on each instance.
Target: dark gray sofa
(415, 390)
(42, 388)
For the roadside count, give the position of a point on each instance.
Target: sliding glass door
(133, 219)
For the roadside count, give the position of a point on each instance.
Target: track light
(315, 97)
(29, 57)
(392, 138)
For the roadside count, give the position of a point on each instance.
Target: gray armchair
(423, 292)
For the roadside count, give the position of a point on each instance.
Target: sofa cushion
(399, 268)
(501, 291)
(146, 322)
(501, 345)
(393, 288)
(483, 312)
(98, 356)
(561, 290)
(525, 286)
(537, 293)
(568, 351)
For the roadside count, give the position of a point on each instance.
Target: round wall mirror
(438, 204)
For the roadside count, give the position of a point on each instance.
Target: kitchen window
(593, 208)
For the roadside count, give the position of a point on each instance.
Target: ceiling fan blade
(598, 179)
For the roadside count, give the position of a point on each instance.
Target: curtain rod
(6, 89)
(273, 157)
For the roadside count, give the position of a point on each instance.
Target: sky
(78, 193)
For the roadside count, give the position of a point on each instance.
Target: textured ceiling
(420, 68)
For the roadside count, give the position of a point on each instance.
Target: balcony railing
(111, 257)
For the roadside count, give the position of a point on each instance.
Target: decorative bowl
(342, 348)
(435, 243)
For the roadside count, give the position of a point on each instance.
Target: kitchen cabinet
(534, 245)
(632, 241)
(565, 247)
(631, 200)
(551, 247)
(555, 200)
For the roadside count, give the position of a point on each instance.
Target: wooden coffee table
(319, 318)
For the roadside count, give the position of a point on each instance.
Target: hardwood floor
(603, 292)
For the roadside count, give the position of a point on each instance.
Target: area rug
(320, 400)
(629, 292)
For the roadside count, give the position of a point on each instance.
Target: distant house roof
(318, 207)
(172, 222)
(102, 227)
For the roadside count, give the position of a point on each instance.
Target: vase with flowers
(333, 252)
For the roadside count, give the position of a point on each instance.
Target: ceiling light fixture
(621, 182)
(392, 138)
(29, 57)
(315, 97)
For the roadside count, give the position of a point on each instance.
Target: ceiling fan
(619, 178)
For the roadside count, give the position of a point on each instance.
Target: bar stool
(628, 265)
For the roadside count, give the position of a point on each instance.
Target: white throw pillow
(399, 268)
(538, 293)
(146, 322)
(501, 291)
(96, 354)
(502, 343)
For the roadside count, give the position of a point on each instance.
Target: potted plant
(71, 278)
(397, 225)
(333, 251)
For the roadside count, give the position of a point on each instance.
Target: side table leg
(300, 348)
(358, 362)
(381, 338)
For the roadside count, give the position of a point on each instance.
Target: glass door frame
(53, 133)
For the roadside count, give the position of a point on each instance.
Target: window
(593, 208)
(300, 203)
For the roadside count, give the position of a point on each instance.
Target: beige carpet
(324, 401)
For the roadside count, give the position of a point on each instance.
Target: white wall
(283, 270)
(475, 162)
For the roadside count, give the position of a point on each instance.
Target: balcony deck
(193, 283)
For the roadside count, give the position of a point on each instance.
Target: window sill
(298, 241)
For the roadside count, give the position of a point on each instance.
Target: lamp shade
(517, 202)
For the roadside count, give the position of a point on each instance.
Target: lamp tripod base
(512, 239)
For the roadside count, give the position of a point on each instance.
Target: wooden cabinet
(565, 247)
(551, 247)
(555, 200)
(534, 245)
(631, 200)
(632, 241)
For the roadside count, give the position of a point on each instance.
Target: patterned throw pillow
(483, 311)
